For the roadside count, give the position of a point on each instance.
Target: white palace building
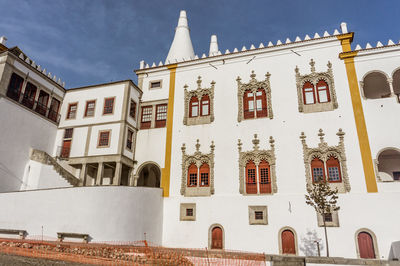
(211, 151)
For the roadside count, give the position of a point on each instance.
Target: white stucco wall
(118, 214)
(21, 130)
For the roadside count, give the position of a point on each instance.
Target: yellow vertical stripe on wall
(166, 171)
(359, 118)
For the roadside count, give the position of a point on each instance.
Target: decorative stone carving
(253, 85)
(313, 78)
(323, 152)
(256, 155)
(198, 159)
(199, 93)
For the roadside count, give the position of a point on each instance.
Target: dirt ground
(12, 260)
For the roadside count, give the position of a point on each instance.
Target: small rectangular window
(155, 84)
(72, 107)
(129, 139)
(68, 133)
(258, 215)
(104, 138)
(146, 117)
(328, 217)
(161, 115)
(108, 106)
(90, 105)
(132, 109)
(396, 176)
(189, 212)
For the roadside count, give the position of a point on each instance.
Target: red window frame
(247, 113)
(192, 175)
(147, 112)
(108, 107)
(15, 86)
(205, 102)
(194, 101)
(87, 107)
(251, 178)
(132, 109)
(70, 112)
(204, 173)
(161, 115)
(308, 85)
(67, 140)
(263, 112)
(54, 108)
(104, 139)
(320, 84)
(330, 163)
(317, 163)
(129, 139)
(264, 175)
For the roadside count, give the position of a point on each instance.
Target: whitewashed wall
(105, 213)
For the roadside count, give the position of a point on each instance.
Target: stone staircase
(45, 158)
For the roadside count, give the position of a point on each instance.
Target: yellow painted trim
(359, 118)
(166, 171)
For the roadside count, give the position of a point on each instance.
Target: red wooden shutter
(248, 98)
(308, 89)
(192, 176)
(204, 175)
(322, 88)
(251, 184)
(261, 112)
(366, 246)
(317, 170)
(216, 238)
(205, 105)
(264, 175)
(334, 173)
(288, 244)
(66, 149)
(192, 104)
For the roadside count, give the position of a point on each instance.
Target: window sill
(318, 107)
(197, 192)
(199, 120)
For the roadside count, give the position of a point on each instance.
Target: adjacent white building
(233, 139)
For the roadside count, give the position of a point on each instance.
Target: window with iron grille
(264, 176)
(204, 179)
(90, 105)
(146, 117)
(259, 215)
(161, 115)
(333, 173)
(72, 107)
(318, 174)
(129, 139)
(108, 106)
(328, 217)
(155, 84)
(251, 176)
(132, 109)
(104, 138)
(192, 179)
(68, 133)
(189, 212)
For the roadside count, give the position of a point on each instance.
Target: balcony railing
(36, 106)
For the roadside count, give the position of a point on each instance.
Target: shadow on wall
(149, 176)
(308, 243)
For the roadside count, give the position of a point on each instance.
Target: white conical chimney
(3, 40)
(181, 47)
(213, 45)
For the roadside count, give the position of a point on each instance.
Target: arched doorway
(388, 162)
(216, 237)
(288, 242)
(366, 245)
(149, 175)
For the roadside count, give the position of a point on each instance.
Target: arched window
(264, 177)
(251, 184)
(308, 93)
(248, 104)
(204, 175)
(333, 166)
(323, 92)
(396, 82)
(205, 105)
(317, 169)
(194, 107)
(288, 242)
(192, 175)
(376, 85)
(261, 103)
(366, 245)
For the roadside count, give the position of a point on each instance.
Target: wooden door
(216, 238)
(288, 244)
(366, 246)
(65, 149)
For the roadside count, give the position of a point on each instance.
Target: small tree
(323, 198)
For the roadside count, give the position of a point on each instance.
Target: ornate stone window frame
(313, 78)
(323, 152)
(253, 85)
(198, 159)
(199, 93)
(334, 223)
(183, 207)
(252, 218)
(257, 155)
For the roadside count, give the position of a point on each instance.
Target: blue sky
(87, 42)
